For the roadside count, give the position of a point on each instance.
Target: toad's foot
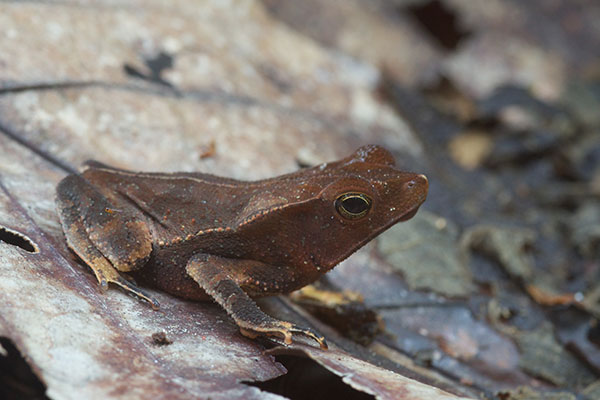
(209, 272)
(284, 329)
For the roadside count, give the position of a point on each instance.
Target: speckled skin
(200, 236)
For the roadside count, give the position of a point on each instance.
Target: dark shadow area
(17, 380)
(156, 66)
(16, 239)
(308, 380)
(439, 22)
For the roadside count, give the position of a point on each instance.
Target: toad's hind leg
(212, 274)
(69, 210)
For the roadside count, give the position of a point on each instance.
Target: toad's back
(217, 202)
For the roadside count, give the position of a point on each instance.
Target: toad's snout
(419, 185)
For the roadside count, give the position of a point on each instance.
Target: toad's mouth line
(409, 214)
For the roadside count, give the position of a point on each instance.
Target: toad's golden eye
(353, 205)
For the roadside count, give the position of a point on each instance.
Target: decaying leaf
(253, 89)
(427, 254)
(508, 246)
(544, 357)
(80, 341)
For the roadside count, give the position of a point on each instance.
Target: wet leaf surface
(542, 356)
(442, 270)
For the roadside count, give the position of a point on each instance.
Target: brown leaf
(361, 375)
(82, 341)
(147, 90)
(549, 299)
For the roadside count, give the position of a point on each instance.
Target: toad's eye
(353, 205)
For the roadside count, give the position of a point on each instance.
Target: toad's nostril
(418, 182)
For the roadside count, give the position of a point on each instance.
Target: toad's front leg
(215, 275)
